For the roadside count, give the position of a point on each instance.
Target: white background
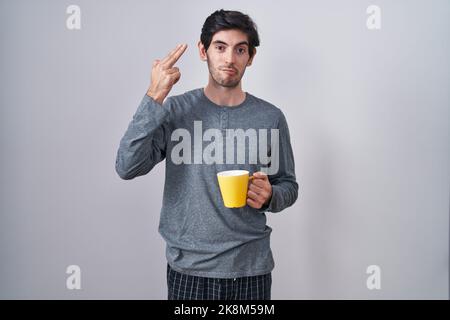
(368, 112)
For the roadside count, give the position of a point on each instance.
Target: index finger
(173, 57)
(259, 182)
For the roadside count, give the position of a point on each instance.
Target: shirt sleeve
(144, 143)
(284, 184)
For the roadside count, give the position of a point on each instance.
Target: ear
(250, 61)
(202, 51)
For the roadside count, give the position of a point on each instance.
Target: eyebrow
(222, 42)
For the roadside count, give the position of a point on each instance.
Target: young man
(213, 252)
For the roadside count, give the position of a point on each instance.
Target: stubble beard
(230, 82)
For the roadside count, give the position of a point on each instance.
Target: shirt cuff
(268, 207)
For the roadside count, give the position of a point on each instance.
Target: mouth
(229, 71)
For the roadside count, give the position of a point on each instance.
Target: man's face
(227, 57)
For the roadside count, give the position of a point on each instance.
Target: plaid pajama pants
(186, 287)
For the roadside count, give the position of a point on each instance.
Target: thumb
(155, 62)
(260, 175)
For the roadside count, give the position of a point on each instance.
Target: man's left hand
(259, 190)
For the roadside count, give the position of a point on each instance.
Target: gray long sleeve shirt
(198, 139)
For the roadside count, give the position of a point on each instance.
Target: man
(213, 252)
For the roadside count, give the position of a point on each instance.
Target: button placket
(223, 120)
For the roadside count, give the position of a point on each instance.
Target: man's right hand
(165, 75)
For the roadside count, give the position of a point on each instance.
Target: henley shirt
(203, 237)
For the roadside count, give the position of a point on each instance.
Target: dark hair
(227, 20)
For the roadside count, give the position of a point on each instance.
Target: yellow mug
(233, 187)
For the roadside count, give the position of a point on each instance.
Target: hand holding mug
(259, 190)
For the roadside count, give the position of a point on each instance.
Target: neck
(224, 96)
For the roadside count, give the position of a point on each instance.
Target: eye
(219, 47)
(241, 50)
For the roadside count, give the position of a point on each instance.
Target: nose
(230, 56)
